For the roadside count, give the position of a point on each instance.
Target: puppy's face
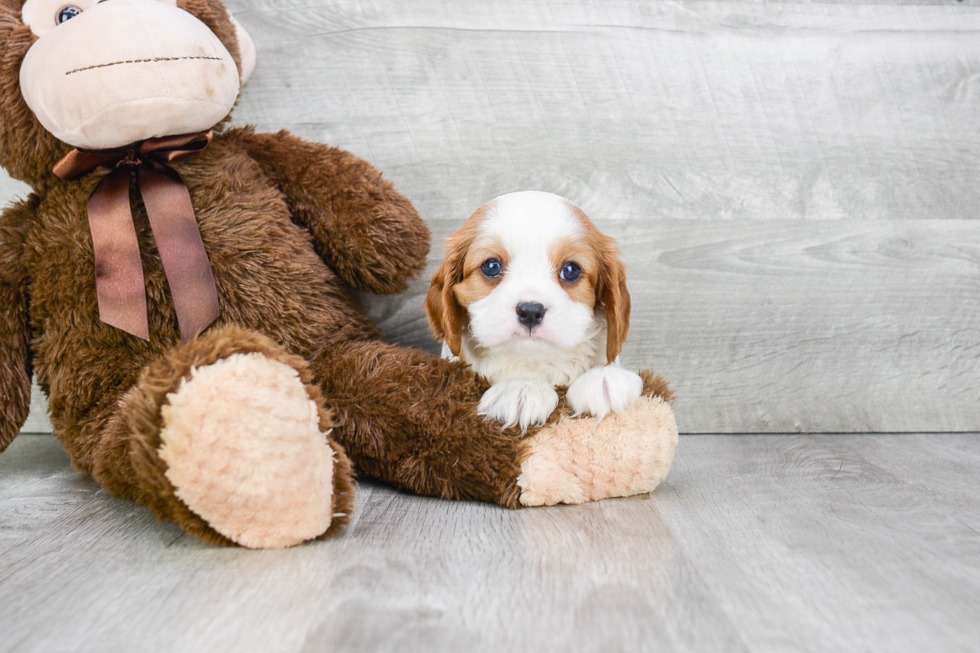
(528, 272)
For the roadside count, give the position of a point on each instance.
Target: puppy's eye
(570, 272)
(66, 13)
(492, 268)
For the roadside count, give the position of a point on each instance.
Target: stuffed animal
(178, 289)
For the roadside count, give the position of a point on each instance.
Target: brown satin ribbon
(119, 278)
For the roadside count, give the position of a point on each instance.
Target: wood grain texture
(690, 110)
(793, 183)
(754, 543)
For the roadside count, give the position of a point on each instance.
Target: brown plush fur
(15, 369)
(368, 233)
(443, 447)
(286, 225)
(270, 281)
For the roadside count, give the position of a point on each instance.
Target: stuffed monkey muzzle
(122, 71)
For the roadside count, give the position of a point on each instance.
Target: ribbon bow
(119, 281)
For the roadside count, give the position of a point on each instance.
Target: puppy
(532, 296)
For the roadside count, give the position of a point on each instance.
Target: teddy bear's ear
(246, 51)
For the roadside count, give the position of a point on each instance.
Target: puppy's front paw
(519, 402)
(604, 390)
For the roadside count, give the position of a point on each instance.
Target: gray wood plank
(793, 182)
(690, 110)
(754, 543)
(814, 546)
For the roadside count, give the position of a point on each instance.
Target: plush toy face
(106, 74)
(100, 75)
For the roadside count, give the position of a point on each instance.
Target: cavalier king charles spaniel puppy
(532, 296)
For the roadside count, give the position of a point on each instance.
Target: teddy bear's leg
(409, 419)
(575, 460)
(227, 437)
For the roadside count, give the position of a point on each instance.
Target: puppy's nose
(530, 314)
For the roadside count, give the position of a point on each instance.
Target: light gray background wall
(794, 184)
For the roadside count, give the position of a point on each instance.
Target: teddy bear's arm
(15, 362)
(362, 227)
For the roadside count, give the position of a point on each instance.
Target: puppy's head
(529, 271)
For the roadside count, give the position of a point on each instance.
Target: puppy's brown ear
(612, 294)
(446, 315)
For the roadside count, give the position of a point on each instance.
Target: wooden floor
(755, 543)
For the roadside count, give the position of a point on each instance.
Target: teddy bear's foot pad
(586, 459)
(244, 450)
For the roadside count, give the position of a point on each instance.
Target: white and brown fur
(584, 325)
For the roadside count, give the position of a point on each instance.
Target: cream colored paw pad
(586, 459)
(244, 450)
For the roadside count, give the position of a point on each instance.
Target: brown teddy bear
(178, 289)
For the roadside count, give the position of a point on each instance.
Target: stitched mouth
(135, 61)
